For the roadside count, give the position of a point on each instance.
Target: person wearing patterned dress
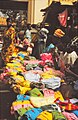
(8, 41)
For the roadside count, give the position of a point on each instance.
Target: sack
(45, 116)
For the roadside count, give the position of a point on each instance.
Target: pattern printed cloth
(8, 44)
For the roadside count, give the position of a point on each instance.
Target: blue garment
(23, 97)
(47, 49)
(33, 113)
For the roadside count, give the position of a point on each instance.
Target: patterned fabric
(45, 115)
(8, 43)
(70, 116)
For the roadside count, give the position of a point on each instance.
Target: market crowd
(43, 77)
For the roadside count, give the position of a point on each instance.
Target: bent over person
(8, 41)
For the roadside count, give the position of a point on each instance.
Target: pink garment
(26, 42)
(48, 92)
(16, 107)
(46, 57)
(70, 116)
(31, 62)
(37, 71)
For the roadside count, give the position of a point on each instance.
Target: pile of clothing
(40, 89)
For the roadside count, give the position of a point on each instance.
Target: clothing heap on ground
(43, 93)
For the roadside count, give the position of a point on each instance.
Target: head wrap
(50, 47)
(8, 20)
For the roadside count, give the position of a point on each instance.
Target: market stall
(38, 89)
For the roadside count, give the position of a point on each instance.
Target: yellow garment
(12, 72)
(58, 95)
(15, 66)
(18, 79)
(25, 83)
(45, 116)
(41, 101)
(59, 33)
(47, 74)
(21, 90)
(20, 102)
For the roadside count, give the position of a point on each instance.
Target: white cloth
(70, 58)
(28, 35)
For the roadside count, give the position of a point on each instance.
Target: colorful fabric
(58, 116)
(8, 44)
(52, 83)
(59, 33)
(18, 79)
(21, 104)
(67, 105)
(33, 113)
(75, 112)
(35, 93)
(63, 18)
(47, 75)
(51, 107)
(31, 62)
(45, 115)
(51, 46)
(41, 101)
(70, 116)
(22, 111)
(46, 57)
(19, 89)
(31, 66)
(23, 97)
(32, 77)
(59, 96)
(48, 92)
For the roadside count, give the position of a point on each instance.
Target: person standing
(9, 40)
(28, 32)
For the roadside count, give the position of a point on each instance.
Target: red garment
(63, 18)
(46, 57)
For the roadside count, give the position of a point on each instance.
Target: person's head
(21, 35)
(29, 26)
(9, 22)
